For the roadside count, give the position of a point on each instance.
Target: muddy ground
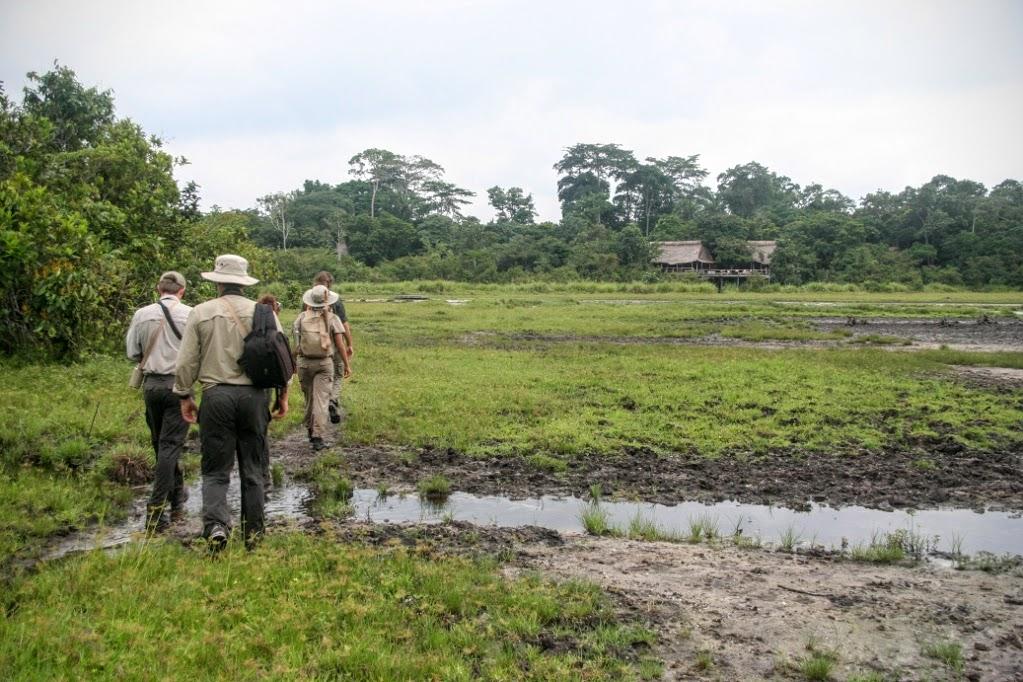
(751, 613)
(953, 476)
(758, 614)
(987, 335)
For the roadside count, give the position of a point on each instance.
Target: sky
(260, 96)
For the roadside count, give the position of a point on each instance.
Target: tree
(587, 170)
(633, 249)
(378, 167)
(277, 208)
(512, 205)
(78, 115)
(446, 198)
(644, 194)
(750, 188)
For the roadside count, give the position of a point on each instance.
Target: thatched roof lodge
(681, 256)
(762, 251)
(693, 256)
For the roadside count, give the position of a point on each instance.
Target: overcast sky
(260, 96)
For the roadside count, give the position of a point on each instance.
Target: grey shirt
(163, 359)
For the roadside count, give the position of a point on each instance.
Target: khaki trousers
(316, 375)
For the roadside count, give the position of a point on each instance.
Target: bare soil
(987, 335)
(953, 476)
(991, 378)
(758, 613)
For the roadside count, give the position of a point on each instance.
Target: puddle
(457, 301)
(286, 503)
(995, 532)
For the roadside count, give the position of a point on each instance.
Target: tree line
(90, 213)
(398, 215)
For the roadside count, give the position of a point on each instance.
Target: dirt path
(756, 613)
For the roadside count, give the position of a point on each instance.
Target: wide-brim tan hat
(319, 296)
(230, 269)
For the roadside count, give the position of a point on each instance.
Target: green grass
(596, 520)
(949, 653)
(538, 371)
(761, 331)
(436, 487)
(301, 607)
(817, 667)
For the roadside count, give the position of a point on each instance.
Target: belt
(158, 376)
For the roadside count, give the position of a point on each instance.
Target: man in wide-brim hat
(234, 413)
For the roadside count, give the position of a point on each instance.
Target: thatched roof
(677, 253)
(762, 251)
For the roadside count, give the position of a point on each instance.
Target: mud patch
(757, 614)
(938, 476)
(990, 377)
(454, 537)
(984, 334)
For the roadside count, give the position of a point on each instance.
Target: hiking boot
(317, 444)
(217, 538)
(335, 415)
(156, 520)
(177, 510)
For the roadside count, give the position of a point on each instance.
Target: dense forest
(90, 213)
(398, 215)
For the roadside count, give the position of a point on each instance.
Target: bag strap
(150, 345)
(170, 320)
(234, 316)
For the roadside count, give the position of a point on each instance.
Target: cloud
(261, 96)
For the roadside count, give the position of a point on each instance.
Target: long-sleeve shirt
(163, 359)
(213, 344)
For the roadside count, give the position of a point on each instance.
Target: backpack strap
(170, 320)
(234, 316)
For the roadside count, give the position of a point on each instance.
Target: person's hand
(189, 410)
(282, 408)
(351, 351)
(348, 370)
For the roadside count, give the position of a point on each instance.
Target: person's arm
(348, 338)
(281, 406)
(188, 371)
(133, 339)
(345, 352)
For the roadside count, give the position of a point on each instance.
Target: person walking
(153, 340)
(271, 301)
(233, 419)
(319, 338)
(338, 308)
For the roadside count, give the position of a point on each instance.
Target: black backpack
(266, 356)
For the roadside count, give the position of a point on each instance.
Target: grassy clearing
(302, 607)
(475, 378)
(594, 398)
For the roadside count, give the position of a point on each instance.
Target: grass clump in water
(596, 520)
(702, 527)
(789, 539)
(332, 489)
(436, 487)
(310, 608)
(277, 474)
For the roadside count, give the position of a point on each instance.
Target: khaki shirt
(163, 359)
(213, 344)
